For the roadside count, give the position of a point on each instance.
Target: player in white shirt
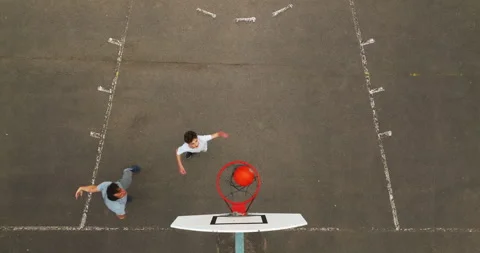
(194, 144)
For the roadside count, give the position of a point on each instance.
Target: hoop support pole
(239, 243)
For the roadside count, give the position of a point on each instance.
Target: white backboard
(225, 223)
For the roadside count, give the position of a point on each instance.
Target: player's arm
(181, 169)
(219, 134)
(88, 188)
(121, 217)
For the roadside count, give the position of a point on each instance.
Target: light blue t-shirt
(118, 206)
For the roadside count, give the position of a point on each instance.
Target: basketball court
(360, 116)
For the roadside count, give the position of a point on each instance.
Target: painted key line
(371, 92)
(120, 43)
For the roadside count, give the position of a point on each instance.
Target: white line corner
(377, 90)
(100, 88)
(369, 41)
(95, 135)
(385, 134)
(115, 42)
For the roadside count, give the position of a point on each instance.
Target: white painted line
(100, 88)
(387, 133)
(133, 229)
(37, 228)
(376, 90)
(251, 19)
(368, 84)
(163, 229)
(213, 15)
(321, 229)
(369, 41)
(388, 230)
(275, 13)
(95, 135)
(442, 230)
(85, 228)
(107, 115)
(115, 42)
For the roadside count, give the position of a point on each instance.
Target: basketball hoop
(238, 183)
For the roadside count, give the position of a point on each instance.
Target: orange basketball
(243, 176)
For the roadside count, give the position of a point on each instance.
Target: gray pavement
(289, 90)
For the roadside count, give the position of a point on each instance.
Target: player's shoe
(135, 169)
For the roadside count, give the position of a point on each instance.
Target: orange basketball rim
(238, 184)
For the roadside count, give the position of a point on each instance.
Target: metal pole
(239, 243)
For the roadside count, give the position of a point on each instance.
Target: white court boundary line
(107, 115)
(162, 229)
(374, 112)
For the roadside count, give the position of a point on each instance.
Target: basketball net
(238, 197)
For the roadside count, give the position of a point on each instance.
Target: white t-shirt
(202, 145)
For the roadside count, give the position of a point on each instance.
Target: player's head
(191, 138)
(114, 192)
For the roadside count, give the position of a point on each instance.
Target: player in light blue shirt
(114, 193)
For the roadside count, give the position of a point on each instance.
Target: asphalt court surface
(45, 136)
(428, 64)
(271, 114)
(67, 29)
(289, 90)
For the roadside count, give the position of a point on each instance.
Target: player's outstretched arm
(181, 169)
(88, 188)
(219, 134)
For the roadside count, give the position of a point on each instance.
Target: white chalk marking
(275, 13)
(163, 229)
(251, 19)
(319, 229)
(369, 41)
(388, 230)
(387, 133)
(376, 124)
(213, 15)
(37, 228)
(95, 135)
(107, 115)
(100, 88)
(376, 90)
(115, 42)
(85, 228)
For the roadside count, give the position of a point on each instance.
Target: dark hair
(189, 136)
(112, 189)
